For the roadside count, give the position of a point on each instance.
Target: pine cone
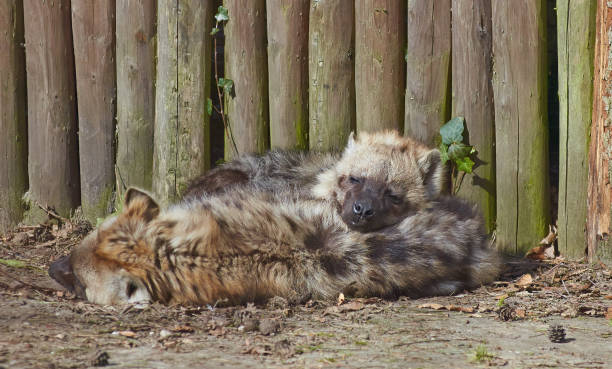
(506, 313)
(556, 333)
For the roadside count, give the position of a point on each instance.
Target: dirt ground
(505, 324)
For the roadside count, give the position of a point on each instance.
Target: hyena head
(380, 178)
(107, 267)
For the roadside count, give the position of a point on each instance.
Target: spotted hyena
(377, 180)
(248, 246)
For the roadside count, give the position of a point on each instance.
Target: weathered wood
(599, 187)
(521, 127)
(182, 141)
(53, 166)
(93, 33)
(428, 58)
(472, 98)
(288, 71)
(380, 69)
(136, 41)
(246, 63)
(13, 139)
(331, 71)
(576, 39)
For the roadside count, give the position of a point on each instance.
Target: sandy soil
(506, 324)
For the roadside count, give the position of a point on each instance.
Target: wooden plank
(599, 187)
(136, 42)
(380, 69)
(288, 68)
(13, 125)
(331, 71)
(182, 126)
(576, 39)
(521, 127)
(472, 71)
(428, 58)
(93, 33)
(53, 166)
(246, 63)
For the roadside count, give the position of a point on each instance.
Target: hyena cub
(378, 179)
(244, 247)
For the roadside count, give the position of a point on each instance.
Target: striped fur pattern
(247, 246)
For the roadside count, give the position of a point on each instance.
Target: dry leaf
(551, 237)
(524, 280)
(351, 306)
(463, 309)
(520, 313)
(608, 313)
(431, 306)
(128, 334)
(542, 252)
(341, 299)
(182, 329)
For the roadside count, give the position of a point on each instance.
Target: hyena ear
(139, 204)
(433, 172)
(351, 141)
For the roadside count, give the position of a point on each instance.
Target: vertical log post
(331, 71)
(13, 128)
(473, 98)
(53, 160)
(136, 43)
(521, 127)
(599, 187)
(246, 63)
(576, 40)
(380, 69)
(182, 141)
(288, 72)
(93, 32)
(428, 58)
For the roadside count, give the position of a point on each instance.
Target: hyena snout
(62, 272)
(363, 208)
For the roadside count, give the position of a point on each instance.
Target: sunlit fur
(399, 165)
(247, 246)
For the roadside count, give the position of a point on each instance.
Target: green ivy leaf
(444, 153)
(452, 131)
(214, 31)
(222, 14)
(464, 164)
(209, 106)
(458, 150)
(226, 84)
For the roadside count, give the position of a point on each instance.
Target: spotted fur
(247, 246)
(396, 175)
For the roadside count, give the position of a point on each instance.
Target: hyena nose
(363, 208)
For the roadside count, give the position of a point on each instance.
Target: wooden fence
(118, 90)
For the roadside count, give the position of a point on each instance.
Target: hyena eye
(354, 180)
(394, 198)
(131, 288)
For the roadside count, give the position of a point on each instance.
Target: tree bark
(521, 127)
(599, 187)
(53, 166)
(246, 63)
(331, 70)
(182, 141)
(380, 69)
(576, 40)
(93, 32)
(288, 72)
(473, 99)
(428, 58)
(136, 44)
(13, 125)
